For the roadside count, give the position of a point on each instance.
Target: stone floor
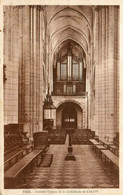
(86, 172)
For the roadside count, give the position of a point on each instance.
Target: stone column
(116, 68)
(100, 72)
(117, 24)
(111, 76)
(20, 69)
(26, 62)
(103, 76)
(107, 74)
(36, 56)
(96, 69)
(31, 71)
(41, 53)
(34, 70)
(106, 62)
(15, 62)
(37, 67)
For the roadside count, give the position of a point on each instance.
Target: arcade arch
(68, 114)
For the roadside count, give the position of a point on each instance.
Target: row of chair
(57, 136)
(82, 136)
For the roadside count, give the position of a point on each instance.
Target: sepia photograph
(61, 93)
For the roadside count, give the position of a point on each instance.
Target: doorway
(69, 117)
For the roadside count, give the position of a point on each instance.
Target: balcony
(69, 89)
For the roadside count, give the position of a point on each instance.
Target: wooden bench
(105, 143)
(13, 174)
(98, 149)
(96, 138)
(93, 143)
(108, 155)
(114, 149)
(11, 159)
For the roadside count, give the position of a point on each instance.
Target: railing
(69, 88)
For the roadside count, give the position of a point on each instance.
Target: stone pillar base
(70, 156)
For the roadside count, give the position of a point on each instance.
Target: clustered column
(32, 71)
(106, 62)
(26, 63)
(96, 45)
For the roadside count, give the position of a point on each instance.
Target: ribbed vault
(69, 22)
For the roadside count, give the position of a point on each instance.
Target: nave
(61, 77)
(87, 171)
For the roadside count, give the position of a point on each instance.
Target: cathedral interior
(61, 96)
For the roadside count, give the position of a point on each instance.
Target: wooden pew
(13, 175)
(98, 149)
(57, 136)
(116, 140)
(105, 143)
(11, 159)
(109, 156)
(114, 149)
(111, 146)
(41, 145)
(93, 143)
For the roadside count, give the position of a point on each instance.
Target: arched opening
(69, 117)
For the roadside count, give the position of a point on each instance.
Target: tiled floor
(86, 172)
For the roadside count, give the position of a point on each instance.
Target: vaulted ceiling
(69, 23)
